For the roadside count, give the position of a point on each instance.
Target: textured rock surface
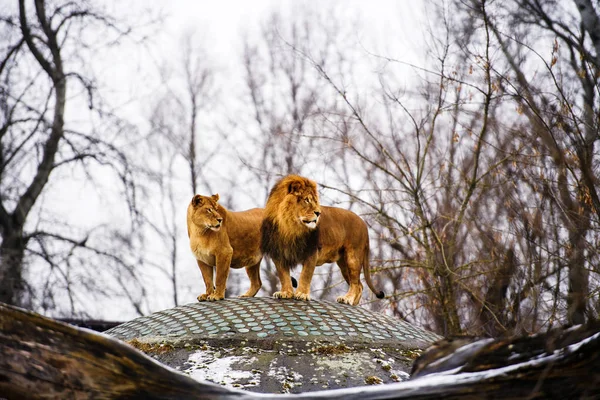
(44, 358)
(267, 345)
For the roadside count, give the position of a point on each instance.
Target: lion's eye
(307, 201)
(210, 211)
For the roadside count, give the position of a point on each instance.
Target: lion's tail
(367, 271)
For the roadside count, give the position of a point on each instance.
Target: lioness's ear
(197, 200)
(215, 197)
(294, 187)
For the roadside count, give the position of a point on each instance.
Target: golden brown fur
(298, 230)
(221, 239)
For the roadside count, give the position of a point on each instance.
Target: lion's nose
(317, 213)
(219, 220)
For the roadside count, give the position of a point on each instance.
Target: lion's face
(205, 212)
(308, 210)
(303, 202)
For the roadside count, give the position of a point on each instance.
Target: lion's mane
(283, 239)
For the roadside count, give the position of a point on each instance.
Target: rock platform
(271, 346)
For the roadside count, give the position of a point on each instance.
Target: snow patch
(288, 378)
(208, 367)
(341, 363)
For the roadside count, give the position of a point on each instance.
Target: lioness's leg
(308, 269)
(287, 291)
(255, 282)
(353, 269)
(207, 276)
(222, 272)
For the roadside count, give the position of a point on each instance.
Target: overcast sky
(384, 27)
(223, 21)
(131, 73)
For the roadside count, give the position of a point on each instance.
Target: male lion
(297, 230)
(222, 239)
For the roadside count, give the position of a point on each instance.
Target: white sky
(386, 27)
(224, 20)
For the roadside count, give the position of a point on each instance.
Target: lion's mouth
(215, 228)
(310, 223)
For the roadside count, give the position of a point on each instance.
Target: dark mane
(289, 253)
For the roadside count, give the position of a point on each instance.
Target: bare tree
(487, 197)
(38, 144)
(286, 98)
(180, 137)
(561, 109)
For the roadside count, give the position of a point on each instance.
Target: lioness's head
(204, 212)
(294, 203)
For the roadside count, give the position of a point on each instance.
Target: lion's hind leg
(255, 282)
(350, 267)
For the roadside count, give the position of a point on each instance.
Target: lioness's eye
(209, 211)
(306, 200)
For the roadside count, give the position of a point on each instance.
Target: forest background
(463, 131)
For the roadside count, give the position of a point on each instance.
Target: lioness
(222, 239)
(297, 230)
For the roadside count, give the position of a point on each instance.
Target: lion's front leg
(207, 276)
(308, 269)
(222, 272)
(287, 291)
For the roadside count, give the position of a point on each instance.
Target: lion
(222, 239)
(296, 229)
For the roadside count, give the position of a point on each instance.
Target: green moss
(333, 349)
(411, 353)
(285, 388)
(151, 348)
(373, 380)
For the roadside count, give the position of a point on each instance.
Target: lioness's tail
(367, 272)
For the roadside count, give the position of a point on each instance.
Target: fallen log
(43, 358)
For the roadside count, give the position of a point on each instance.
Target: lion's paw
(344, 300)
(302, 296)
(250, 293)
(283, 295)
(215, 297)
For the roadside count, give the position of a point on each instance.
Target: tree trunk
(493, 310)
(578, 280)
(447, 292)
(13, 246)
(12, 284)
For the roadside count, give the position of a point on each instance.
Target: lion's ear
(197, 200)
(215, 197)
(294, 187)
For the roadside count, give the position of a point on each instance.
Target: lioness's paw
(283, 295)
(215, 297)
(302, 296)
(202, 297)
